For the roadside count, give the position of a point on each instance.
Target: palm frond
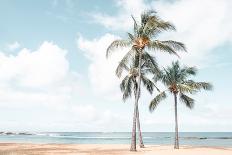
(123, 62)
(175, 45)
(168, 77)
(136, 27)
(135, 59)
(152, 24)
(131, 36)
(149, 22)
(164, 25)
(148, 84)
(157, 45)
(124, 82)
(126, 87)
(159, 76)
(149, 63)
(154, 103)
(135, 86)
(199, 85)
(155, 26)
(116, 44)
(185, 88)
(188, 101)
(186, 71)
(146, 14)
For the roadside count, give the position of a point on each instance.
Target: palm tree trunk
(176, 146)
(133, 137)
(138, 121)
(139, 130)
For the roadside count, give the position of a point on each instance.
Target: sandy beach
(105, 149)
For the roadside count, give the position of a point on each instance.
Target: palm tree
(143, 39)
(129, 82)
(176, 79)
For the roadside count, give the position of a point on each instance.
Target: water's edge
(223, 139)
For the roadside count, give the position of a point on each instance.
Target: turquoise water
(159, 138)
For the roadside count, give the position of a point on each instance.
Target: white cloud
(123, 20)
(41, 76)
(35, 78)
(201, 25)
(101, 70)
(39, 92)
(13, 46)
(39, 68)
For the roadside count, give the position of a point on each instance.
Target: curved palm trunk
(138, 123)
(139, 130)
(133, 138)
(176, 146)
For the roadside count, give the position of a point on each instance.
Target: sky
(54, 75)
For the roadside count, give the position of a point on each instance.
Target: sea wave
(102, 136)
(70, 136)
(202, 138)
(85, 137)
(16, 133)
(81, 137)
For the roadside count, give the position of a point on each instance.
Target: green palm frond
(132, 38)
(116, 44)
(168, 78)
(200, 85)
(136, 27)
(186, 71)
(163, 77)
(146, 15)
(159, 76)
(188, 101)
(163, 25)
(148, 84)
(154, 103)
(151, 24)
(124, 82)
(135, 60)
(126, 87)
(155, 26)
(149, 63)
(135, 84)
(175, 45)
(185, 88)
(158, 45)
(123, 62)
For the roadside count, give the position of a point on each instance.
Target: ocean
(158, 138)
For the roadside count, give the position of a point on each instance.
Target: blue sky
(54, 75)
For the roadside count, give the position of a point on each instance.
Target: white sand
(105, 149)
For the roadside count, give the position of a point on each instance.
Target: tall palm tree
(176, 79)
(143, 39)
(129, 82)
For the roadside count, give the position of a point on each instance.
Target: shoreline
(106, 149)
